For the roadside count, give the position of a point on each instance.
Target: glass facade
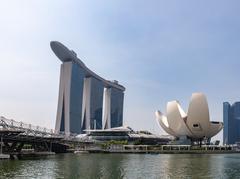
(117, 97)
(96, 103)
(62, 124)
(79, 101)
(231, 119)
(76, 95)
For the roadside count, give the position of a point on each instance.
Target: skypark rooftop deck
(65, 55)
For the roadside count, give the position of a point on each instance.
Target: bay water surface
(124, 166)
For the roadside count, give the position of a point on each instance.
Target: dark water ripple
(116, 166)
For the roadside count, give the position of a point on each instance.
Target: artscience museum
(194, 125)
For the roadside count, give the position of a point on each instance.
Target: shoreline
(161, 152)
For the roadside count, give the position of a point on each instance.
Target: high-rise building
(92, 104)
(86, 100)
(116, 107)
(231, 119)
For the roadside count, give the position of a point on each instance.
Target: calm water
(124, 166)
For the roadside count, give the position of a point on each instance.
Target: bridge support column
(1, 144)
(10, 147)
(19, 148)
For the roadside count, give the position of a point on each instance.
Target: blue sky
(159, 50)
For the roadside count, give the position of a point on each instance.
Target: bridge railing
(29, 129)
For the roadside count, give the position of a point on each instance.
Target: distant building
(124, 133)
(194, 125)
(86, 100)
(231, 119)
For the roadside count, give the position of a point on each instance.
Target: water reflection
(187, 166)
(91, 166)
(124, 166)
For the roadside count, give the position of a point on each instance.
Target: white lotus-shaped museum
(195, 124)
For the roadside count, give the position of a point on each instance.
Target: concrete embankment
(164, 149)
(25, 155)
(4, 156)
(164, 152)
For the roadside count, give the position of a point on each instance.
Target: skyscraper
(92, 104)
(231, 119)
(116, 107)
(86, 100)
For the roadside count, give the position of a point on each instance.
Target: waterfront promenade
(157, 149)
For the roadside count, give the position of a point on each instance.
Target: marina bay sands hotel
(86, 100)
